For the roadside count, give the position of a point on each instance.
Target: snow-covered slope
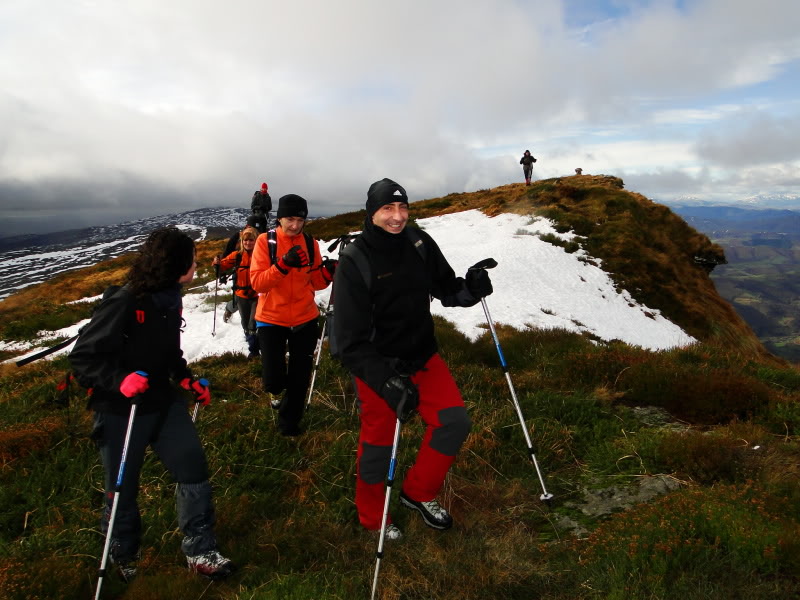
(536, 284)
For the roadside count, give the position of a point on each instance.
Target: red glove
(134, 384)
(296, 257)
(200, 389)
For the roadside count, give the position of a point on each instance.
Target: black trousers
(293, 375)
(247, 315)
(172, 436)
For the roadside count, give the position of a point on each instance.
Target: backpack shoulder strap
(361, 261)
(237, 262)
(272, 245)
(417, 241)
(309, 248)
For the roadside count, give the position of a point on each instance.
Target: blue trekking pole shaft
(387, 499)
(115, 502)
(545, 494)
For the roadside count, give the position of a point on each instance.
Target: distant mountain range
(758, 202)
(27, 259)
(762, 277)
(719, 220)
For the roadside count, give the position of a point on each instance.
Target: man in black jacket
(385, 336)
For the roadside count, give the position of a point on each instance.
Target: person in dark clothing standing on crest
(527, 161)
(384, 333)
(130, 352)
(261, 203)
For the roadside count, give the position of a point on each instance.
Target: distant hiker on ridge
(385, 337)
(246, 297)
(527, 161)
(130, 353)
(286, 270)
(261, 204)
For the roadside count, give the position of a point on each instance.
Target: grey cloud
(751, 137)
(173, 105)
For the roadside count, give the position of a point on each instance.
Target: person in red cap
(261, 203)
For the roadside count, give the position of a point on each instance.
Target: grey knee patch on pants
(456, 424)
(374, 463)
(196, 517)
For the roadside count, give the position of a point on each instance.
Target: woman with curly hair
(130, 353)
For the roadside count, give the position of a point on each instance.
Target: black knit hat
(292, 205)
(383, 192)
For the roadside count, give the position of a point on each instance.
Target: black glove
(478, 283)
(401, 395)
(296, 257)
(330, 264)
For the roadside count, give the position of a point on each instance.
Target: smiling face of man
(391, 217)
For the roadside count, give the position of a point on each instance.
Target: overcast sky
(117, 110)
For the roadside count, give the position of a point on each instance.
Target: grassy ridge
(727, 440)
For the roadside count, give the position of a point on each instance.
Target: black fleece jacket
(387, 328)
(127, 334)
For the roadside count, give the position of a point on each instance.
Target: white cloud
(205, 100)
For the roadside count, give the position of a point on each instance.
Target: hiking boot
(275, 403)
(211, 564)
(227, 316)
(432, 512)
(125, 568)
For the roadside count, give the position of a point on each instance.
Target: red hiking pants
(442, 410)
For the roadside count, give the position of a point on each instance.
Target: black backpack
(64, 387)
(109, 291)
(261, 204)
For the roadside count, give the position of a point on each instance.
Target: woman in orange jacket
(287, 312)
(246, 297)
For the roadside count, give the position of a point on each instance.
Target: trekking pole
(216, 287)
(490, 263)
(318, 352)
(115, 502)
(389, 482)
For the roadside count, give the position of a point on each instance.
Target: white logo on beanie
(397, 193)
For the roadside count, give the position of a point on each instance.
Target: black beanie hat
(292, 205)
(383, 192)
